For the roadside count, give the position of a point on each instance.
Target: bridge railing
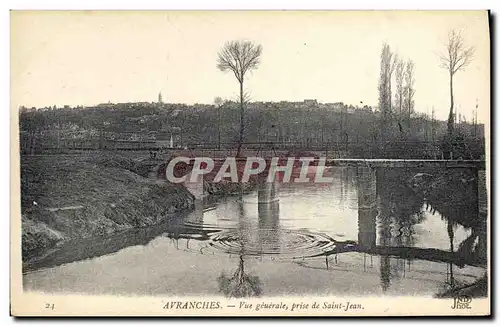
(470, 149)
(473, 149)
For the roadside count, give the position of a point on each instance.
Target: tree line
(456, 57)
(234, 123)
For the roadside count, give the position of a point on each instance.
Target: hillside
(301, 124)
(64, 197)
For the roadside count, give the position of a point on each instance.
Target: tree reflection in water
(458, 205)
(473, 248)
(451, 226)
(400, 210)
(240, 284)
(453, 195)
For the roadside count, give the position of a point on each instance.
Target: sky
(88, 57)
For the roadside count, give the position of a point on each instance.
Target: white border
(186, 4)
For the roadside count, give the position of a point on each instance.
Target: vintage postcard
(250, 163)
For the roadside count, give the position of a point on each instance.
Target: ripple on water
(282, 244)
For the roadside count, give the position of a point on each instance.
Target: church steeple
(160, 98)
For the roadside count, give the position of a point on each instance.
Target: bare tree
(239, 57)
(457, 57)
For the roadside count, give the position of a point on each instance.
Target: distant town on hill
(306, 124)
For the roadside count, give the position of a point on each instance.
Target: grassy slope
(110, 187)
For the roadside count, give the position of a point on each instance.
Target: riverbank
(68, 197)
(476, 289)
(453, 194)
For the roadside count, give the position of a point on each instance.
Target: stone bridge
(366, 172)
(366, 176)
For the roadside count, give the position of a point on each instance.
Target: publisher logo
(462, 302)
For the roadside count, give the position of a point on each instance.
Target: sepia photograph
(250, 163)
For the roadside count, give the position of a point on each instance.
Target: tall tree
(409, 90)
(384, 88)
(392, 64)
(384, 99)
(398, 96)
(456, 57)
(239, 57)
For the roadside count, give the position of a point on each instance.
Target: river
(312, 239)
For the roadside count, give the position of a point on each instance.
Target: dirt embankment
(66, 197)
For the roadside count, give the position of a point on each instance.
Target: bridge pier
(269, 226)
(268, 192)
(367, 228)
(367, 187)
(367, 207)
(195, 217)
(195, 188)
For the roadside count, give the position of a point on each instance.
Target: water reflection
(187, 226)
(394, 229)
(269, 226)
(472, 249)
(367, 228)
(241, 284)
(402, 209)
(260, 239)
